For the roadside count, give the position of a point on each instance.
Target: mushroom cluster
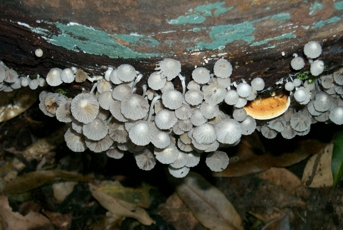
(161, 123)
(10, 80)
(175, 124)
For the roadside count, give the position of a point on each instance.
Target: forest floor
(269, 184)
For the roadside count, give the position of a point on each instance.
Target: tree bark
(257, 37)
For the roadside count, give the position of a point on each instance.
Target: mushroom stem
(138, 78)
(183, 83)
(153, 102)
(94, 86)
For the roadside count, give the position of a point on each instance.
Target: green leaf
(337, 158)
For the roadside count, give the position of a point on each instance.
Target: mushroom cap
(17, 84)
(243, 90)
(115, 153)
(34, 84)
(248, 125)
(10, 76)
(181, 160)
(105, 99)
(52, 102)
(185, 125)
(326, 81)
(209, 111)
(184, 112)
(2, 73)
(76, 126)
(167, 155)
(193, 85)
(114, 77)
(156, 81)
(268, 108)
(54, 77)
(103, 86)
(172, 99)
(204, 134)
(288, 132)
(231, 97)
(121, 91)
(268, 132)
(63, 113)
(322, 102)
(312, 110)
(42, 82)
(338, 76)
(214, 94)
(67, 75)
(241, 102)
(277, 124)
(126, 73)
(300, 95)
(297, 82)
(95, 130)
(177, 130)
(225, 82)
(297, 63)
(169, 68)
(300, 121)
(145, 160)
(201, 75)
(100, 145)
(197, 118)
(193, 159)
(228, 131)
(108, 73)
(118, 132)
(134, 107)
(312, 49)
(258, 83)
(178, 172)
(80, 76)
(75, 142)
(161, 140)
(84, 107)
(194, 97)
(336, 115)
(289, 86)
(217, 161)
(222, 68)
(317, 67)
(165, 119)
(185, 147)
(239, 114)
(24, 81)
(168, 86)
(115, 111)
(142, 132)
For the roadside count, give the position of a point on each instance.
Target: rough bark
(94, 34)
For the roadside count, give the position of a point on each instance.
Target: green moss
(61, 91)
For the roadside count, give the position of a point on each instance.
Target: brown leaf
(209, 205)
(280, 223)
(32, 180)
(15, 221)
(285, 180)
(247, 161)
(175, 212)
(139, 196)
(119, 207)
(317, 172)
(16, 102)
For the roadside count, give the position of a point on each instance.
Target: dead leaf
(317, 172)
(16, 102)
(15, 221)
(62, 189)
(139, 196)
(247, 161)
(119, 207)
(209, 205)
(280, 223)
(175, 212)
(286, 181)
(61, 221)
(32, 180)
